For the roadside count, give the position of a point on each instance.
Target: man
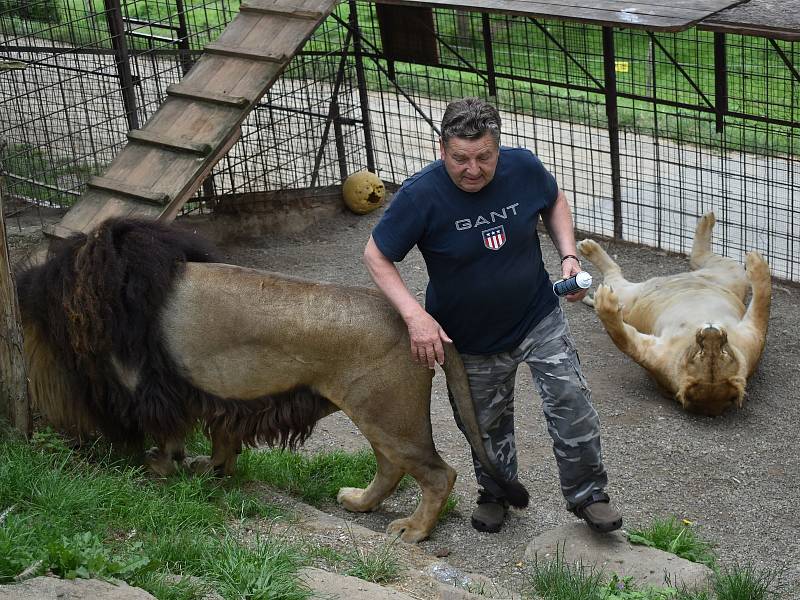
(473, 215)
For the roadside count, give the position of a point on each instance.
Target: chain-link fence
(644, 131)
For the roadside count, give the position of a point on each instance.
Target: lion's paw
(606, 303)
(199, 465)
(407, 531)
(159, 463)
(353, 499)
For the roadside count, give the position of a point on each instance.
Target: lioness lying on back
(691, 330)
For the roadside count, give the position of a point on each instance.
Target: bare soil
(736, 477)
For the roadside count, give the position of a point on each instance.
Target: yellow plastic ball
(363, 192)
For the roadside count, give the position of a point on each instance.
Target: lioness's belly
(676, 305)
(243, 333)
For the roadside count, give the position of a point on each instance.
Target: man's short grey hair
(470, 118)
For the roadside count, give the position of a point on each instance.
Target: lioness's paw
(606, 303)
(757, 268)
(706, 222)
(407, 531)
(589, 248)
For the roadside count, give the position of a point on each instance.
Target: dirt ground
(736, 477)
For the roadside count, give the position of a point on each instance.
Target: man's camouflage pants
(572, 421)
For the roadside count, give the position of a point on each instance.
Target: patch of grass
(263, 572)
(314, 479)
(746, 583)
(85, 513)
(449, 506)
(558, 580)
(677, 537)
(380, 565)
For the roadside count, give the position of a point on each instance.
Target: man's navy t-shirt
(488, 286)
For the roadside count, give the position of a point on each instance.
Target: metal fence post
(122, 59)
(610, 75)
(362, 86)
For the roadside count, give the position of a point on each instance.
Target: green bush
(47, 11)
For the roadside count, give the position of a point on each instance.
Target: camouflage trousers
(572, 422)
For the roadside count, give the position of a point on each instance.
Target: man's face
(470, 163)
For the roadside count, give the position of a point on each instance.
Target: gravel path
(735, 477)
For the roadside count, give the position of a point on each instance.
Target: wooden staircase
(166, 161)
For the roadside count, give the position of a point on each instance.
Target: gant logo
(463, 224)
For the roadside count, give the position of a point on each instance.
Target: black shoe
(489, 515)
(598, 513)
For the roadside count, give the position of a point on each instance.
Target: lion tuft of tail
(457, 381)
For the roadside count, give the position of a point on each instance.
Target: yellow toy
(363, 192)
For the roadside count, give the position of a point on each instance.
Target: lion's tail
(457, 381)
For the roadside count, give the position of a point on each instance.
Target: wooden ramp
(165, 162)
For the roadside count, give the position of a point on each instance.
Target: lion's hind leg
(701, 244)
(401, 446)
(436, 479)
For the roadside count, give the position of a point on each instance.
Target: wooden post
(14, 403)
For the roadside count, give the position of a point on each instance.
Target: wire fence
(644, 131)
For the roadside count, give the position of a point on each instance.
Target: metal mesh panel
(643, 140)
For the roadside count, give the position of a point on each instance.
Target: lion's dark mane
(101, 295)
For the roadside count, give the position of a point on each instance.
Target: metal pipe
(122, 60)
(612, 115)
(362, 86)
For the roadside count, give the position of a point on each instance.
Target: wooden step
(176, 90)
(250, 53)
(294, 12)
(170, 143)
(58, 231)
(132, 191)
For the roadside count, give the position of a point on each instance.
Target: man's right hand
(426, 339)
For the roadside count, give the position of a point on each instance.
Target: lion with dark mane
(135, 331)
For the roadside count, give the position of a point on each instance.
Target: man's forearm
(386, 276)
(558, 222)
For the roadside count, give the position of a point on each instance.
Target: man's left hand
(569, 267)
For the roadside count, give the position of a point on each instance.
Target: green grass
(676, 537)
(559, 580)
(746, 582)
(90, 515)
(81, 514)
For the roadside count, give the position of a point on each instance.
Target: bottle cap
(583, 279)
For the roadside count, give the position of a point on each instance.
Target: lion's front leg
(633, 343)
(225, 448)
(595, 254)
(165, 458)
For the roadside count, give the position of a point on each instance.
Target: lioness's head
(711, 381)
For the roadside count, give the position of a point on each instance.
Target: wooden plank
(644, 15)
(126, 189)
(178, 90)
(58, 231)
(248, 53)
(260, 6)
(14, 401)
(179, 144)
